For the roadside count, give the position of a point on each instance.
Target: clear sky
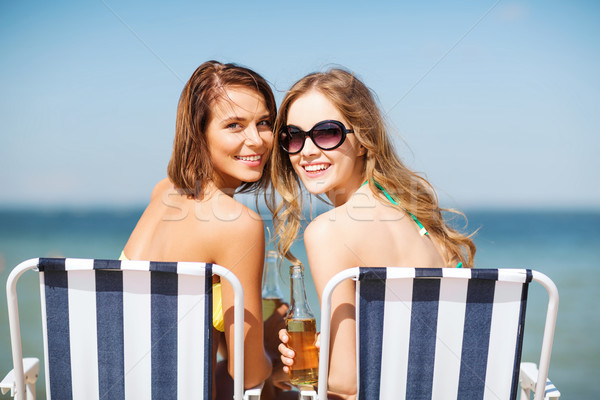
(496, 102)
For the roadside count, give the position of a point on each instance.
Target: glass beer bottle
(272, 296)
(302, 331)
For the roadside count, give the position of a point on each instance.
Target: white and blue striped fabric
(423, 337)
(551, 390)
(127, 329)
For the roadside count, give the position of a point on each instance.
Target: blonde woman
(330, 136)
(223, 140)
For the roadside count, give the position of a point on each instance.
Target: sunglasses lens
(327, 135)
(291, 139)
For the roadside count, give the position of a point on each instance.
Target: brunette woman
(223, 140)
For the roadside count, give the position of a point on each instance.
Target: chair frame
(408, 273)
(24, 388)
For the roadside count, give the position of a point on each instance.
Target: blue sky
(496, 102)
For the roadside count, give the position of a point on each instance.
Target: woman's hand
(287, 354)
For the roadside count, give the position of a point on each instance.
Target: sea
(564, 245)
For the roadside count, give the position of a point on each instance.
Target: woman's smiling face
(337, 173)
(239, 137)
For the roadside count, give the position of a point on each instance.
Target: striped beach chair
(442, 333)
(123, 330)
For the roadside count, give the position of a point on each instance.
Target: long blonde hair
(413, 193)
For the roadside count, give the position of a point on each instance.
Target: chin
(252, 178)
(315, 187)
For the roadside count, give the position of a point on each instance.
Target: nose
(252, 135)
(309, 148)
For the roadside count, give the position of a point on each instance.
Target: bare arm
(328, 254)
(242, 251)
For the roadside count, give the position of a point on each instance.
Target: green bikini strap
(422, 231)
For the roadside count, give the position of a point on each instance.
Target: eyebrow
(229, 119)
(235, 118)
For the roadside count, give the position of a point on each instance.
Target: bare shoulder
(232, 215)
(320, 227)
(330, 241)
(246, 223)
(318, 223)
(161, 187)
(332, 225)
(236, 230)
(329, 249)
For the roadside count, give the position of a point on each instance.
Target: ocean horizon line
(129, 208)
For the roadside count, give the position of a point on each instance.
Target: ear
(361, 150)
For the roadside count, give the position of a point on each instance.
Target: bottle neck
(299, 307)
(270, 288)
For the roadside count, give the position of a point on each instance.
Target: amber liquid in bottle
(303, 335)
(302, 330)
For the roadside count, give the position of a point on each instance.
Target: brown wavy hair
(413, 193)
(191, 167)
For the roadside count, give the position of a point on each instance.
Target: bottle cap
(297, 267)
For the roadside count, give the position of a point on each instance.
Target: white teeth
(248, 158)
(315, 167)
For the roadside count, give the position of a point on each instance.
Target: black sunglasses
(326, 135)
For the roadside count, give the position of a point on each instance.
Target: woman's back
(364, 231)
(368, 231)
(177, 228)
(220, 230)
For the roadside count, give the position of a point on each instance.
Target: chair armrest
(31, 367)
(253, 393)
(307, 394)
(528, 379)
